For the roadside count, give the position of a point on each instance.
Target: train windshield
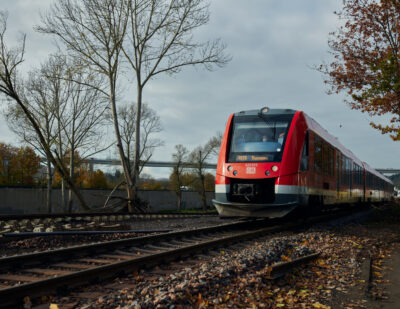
(258, 139)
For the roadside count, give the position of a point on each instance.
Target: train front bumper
(231, 209)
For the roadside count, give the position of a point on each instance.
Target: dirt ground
(377, 284)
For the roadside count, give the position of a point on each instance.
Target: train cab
(250, 164)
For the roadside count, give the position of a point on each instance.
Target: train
(273, 161)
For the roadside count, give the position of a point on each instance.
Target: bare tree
(150, 125)
(70, 113)
(84, 116)
(199, 157)
(93, 32)
(53, 95)
(20, 125)
(161, 41)
(179, 157)
(12, 86)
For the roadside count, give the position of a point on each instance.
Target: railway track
(52, 271)
(83, 221)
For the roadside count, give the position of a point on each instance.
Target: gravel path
(37, 244)
(238, 277)
(102, 223)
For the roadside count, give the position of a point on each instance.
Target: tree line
(21, 166)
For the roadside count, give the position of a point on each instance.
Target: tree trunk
(124, 161)
(179, 195)
(71, 175)
(63, 195)
(62, 180)
(49, 187)
(203, 193)
(137, 135)
(136, 160)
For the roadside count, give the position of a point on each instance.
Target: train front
(250, 165)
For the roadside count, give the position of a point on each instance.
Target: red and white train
(274, 160)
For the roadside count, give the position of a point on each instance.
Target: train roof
(375, 172)
(319, 130)
(271, 111)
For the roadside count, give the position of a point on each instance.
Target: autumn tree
(366, 63)
(179, 158)
(12, 88)
(209, 182)
(198, 157)
(96, 179)
(18, 166)
(149, 183)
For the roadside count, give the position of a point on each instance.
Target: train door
(303, 175)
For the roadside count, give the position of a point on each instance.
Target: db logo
(250, 170)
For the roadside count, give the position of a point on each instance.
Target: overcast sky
(273, 45)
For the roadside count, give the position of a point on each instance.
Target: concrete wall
(33, 200)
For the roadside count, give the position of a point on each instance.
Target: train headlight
(274, 168)
(229, 168)
(235, 173)
(264, 110)
(267, 173)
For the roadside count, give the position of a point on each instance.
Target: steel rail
(12, 236)
(133, 215)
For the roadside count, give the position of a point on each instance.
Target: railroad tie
(18, 278)
(72, 266)
(47, 272)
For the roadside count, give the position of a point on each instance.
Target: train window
(342, 170)
(304, 155)
(258, 139)
(369, 180)
(338, 171)
(346, 171)
(318, 154)
(349, 173)
(357, 174)
(325, 156)
(331, 161)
